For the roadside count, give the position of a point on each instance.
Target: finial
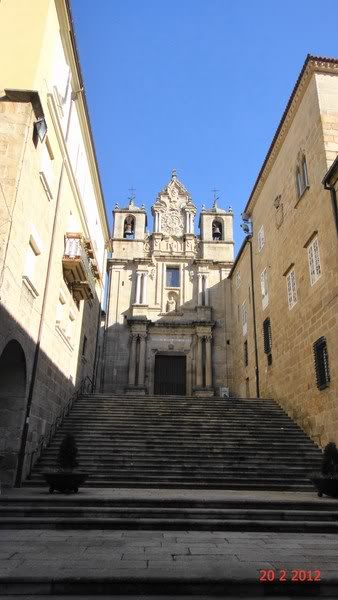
(142, 206)
(117, 206)
(230, 209)
(203, 206)
(173, 174)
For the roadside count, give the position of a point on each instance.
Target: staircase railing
(85, 387)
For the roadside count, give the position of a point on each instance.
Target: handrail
(85, 387)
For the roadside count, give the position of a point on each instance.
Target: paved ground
(171, 554)
(183, 494)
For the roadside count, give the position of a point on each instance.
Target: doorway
(170, 375)
(12, 408)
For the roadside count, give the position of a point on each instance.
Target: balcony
(77, 268)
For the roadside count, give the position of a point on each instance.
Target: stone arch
(13, 377)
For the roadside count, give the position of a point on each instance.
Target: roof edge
(310, 59)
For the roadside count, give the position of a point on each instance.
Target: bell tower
(216, 233)
(129, 230)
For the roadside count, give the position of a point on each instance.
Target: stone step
(168, 524)
(187, 485)
(160, 463)
(121, 584)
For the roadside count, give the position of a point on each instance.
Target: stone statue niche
(172, 302)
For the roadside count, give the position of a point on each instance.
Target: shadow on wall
(52, 391)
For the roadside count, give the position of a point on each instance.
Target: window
(264, 288)
(260, 239)
(267, 336)
(291, 288)
(246, 357)
(46, 170)
(173, 276)
(244, 318)
(70, 326)
(321, 363)
(238, 279)
(84, 346)
(217, 230)
(302, 180)
(314, 261)
(60, 309)
(30, 269)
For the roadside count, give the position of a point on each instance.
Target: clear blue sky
(196, 85)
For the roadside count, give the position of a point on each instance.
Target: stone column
(142, 361)
(208, 365)
(206, 291)
(191, 223)
(138, 288)
(144, 288)
(132, 359)
(156, 222)
(199, 366)
(159, 222)
(200, 289)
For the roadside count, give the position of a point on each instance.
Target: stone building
(167, 326)
(53, 228)
(284, 281)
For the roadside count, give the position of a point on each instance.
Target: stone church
(167, 331)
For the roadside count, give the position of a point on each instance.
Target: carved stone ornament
(152, 272)
(172, 223)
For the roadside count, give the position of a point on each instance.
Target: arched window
(217, 230)
(129, 228)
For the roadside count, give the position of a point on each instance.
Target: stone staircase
(180, 442)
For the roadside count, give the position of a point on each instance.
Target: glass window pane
(173, 277)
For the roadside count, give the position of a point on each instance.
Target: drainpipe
(249, 239)
(333, 192)
(21, 459)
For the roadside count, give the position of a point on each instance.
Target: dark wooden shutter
(321, 363)
(267, 336)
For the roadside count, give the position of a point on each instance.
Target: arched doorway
(12, 408)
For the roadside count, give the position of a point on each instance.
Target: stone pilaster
(132, 359)
(142, 359)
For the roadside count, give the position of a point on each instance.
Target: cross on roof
(132, 191)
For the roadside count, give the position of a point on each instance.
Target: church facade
(166, 330)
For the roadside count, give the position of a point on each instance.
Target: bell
(128, 228)
(217, 233)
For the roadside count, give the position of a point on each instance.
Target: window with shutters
(246, 356)
(244, 317)
(291, 288)
(264, 288)
(260, 239)
(267, 336)
(314, 261)
(321, 363)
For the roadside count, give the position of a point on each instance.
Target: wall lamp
(40, 127)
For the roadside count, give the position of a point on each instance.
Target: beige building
(53, 228)
(284, 282)
(166, 324)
